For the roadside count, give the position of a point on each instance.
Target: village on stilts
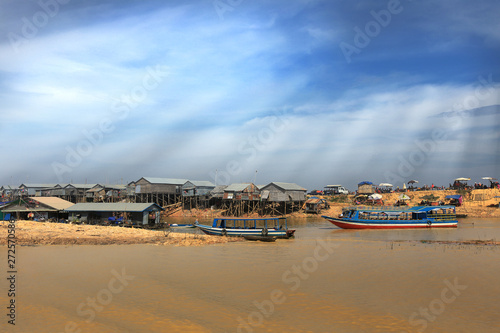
(149, 201)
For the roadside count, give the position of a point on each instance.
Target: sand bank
(46, 233)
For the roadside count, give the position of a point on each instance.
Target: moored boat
(388, 217)
(177, 225)
(267, 227)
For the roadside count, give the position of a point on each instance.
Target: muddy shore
(46, 233)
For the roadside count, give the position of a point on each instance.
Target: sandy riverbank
(46, 233)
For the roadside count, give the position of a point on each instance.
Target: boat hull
(240, 232)
(260, 238)
(346, 223)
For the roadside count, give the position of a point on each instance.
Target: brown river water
(324, 280)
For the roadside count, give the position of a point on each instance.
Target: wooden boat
(275, 227)
(389, 217)
(177, 225)
(260, 238)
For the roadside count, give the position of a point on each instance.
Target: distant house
(366, 187)
(242, 191)
(56, 191)
(147, 185)
(98, 213)
(131, 189)
(7, 192)
(283, 192)
(35, 189)
(106, 192)
(40, 207)
(77, 190)
(218, 192)
(197, 188)
(315, 205)
(95, 194)
(115, 191)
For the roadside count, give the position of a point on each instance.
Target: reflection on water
(324, 280)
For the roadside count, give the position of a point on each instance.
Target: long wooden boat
(389, 217)
(240, 227)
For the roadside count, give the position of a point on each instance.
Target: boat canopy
(270, 222)
(398, 209)
(365, 183)
(454, 196)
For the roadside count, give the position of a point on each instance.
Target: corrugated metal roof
(98, 188)
(8, 187)
(238, 187)
(38, 185)
(168, 181)
(288, 186)
(218, 190)
(200, 183)
(116, 187)
(111, 207)
(81, 185)
(54, 202)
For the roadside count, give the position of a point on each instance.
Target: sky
(309, 92)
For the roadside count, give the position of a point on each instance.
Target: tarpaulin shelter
(455, 199)
(365, 187)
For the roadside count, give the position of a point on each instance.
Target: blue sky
(312, 92)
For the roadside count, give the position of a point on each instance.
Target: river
(324, 280)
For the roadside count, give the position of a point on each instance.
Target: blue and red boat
(388, 217)
(241, 227)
